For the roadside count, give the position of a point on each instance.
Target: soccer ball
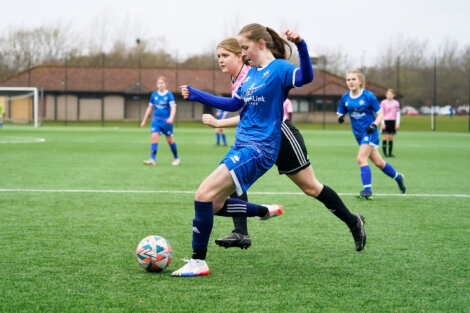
(154, 253)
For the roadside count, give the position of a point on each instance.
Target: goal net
(20, 105)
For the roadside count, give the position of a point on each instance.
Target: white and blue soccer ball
(154, 253)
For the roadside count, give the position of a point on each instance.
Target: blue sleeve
(151, 98)
(341, 107)
(305, 74)
(374, 102)
(171, 97)
(227, 104)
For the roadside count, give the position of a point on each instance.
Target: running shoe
(235, 239)
(175, 162)
(150, 162)
(359, 233)
(401, 183)
(192, 268)
(274, 210)
(365, 195)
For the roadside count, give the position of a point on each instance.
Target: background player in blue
(163, 104)
(220, 132)
(365, 114)
(258, 135)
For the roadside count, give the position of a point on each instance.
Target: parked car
(409, 110)
(425, 110)
(445, 110)
(462, 110)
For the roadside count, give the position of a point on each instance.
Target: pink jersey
(240, 78)
(287, 109)
(391, 109)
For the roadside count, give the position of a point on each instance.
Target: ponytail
(275, 43)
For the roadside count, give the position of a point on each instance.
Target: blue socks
(174, 150)
(217, 135)
(224, 139)
(390, 171)
(366, 176)
(153, 150)
(202, 224)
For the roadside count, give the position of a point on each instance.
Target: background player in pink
(391, 121)
(287, 110)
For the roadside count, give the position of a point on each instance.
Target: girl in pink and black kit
(391, 122)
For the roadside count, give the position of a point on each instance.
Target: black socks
(336, 206)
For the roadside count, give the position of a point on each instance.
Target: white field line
(193, 192)
(11, 139)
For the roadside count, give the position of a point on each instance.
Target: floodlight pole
(65, 89)
(139, 83)
(398, 76)
(324, 91)
(102, 88)
(433, 116)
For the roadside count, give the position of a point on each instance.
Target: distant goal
(20, 105)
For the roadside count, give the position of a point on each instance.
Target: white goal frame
(35, 100)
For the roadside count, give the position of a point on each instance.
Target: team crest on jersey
(346, 104)
(361, 102)
(235, 158)
(266, 74)
(166, 98)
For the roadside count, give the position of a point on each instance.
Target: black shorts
(292, 157)
(389, 128)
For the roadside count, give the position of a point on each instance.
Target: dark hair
(275, 43)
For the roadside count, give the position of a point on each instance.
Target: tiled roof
(124, 80)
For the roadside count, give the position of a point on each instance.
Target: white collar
(360, 94)
(262, 68)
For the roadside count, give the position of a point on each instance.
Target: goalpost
(15, 102)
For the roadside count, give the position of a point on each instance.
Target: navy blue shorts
(162, 128)
(246, 165)
(368, 139)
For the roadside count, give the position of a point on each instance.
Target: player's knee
(312, 190)
(361, 160)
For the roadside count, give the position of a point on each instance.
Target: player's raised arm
(305, 75)
(226, 104)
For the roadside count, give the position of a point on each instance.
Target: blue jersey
(264, 92)
(361, 109)
(161, 103)
(221, 114)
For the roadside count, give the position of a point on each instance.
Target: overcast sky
(361, 28)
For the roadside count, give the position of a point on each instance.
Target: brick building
(112, 94)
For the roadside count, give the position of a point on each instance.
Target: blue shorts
(161, 127)
(246, 165)
(368, 139)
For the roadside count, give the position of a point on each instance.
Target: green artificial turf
(74, 207)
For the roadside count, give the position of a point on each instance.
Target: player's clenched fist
(184, 91)
(292, 36)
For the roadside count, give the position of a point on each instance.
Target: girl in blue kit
(258, 134)
(219, 131)
(163, 104)
(365, 114)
